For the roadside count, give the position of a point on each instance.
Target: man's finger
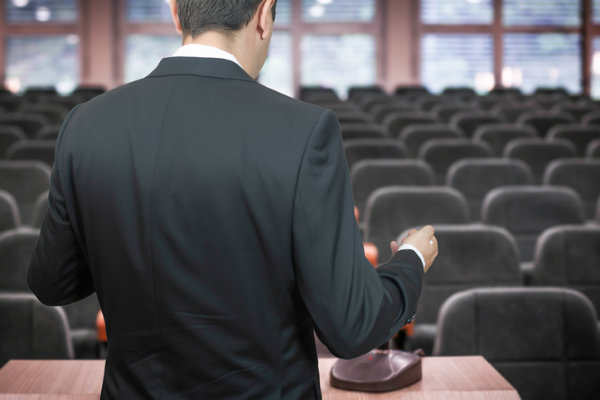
(428, 230)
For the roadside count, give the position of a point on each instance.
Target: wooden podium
(443, 378)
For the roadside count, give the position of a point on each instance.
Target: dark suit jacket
(214, 219)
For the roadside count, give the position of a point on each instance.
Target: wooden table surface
(445, 378)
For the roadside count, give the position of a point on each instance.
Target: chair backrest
(577, 111)
(54, 113)
(537, 153)
(579, 135)
(570, 256)
(395, 122)
(40, 210)
(414, 136)
(460, 92)
(352, 117)
(542, 122)
(82, 313)
(370, 175)
(25, 180)
(48, 132)
(410, 91)
(9, 212)
(380, 111)
(526, 211)
(32, 150)
(16, 248)
(593, 149)
(544, 341)
(442, 153)
(581, 175)
(392, 210)
(9, 135)
(31, 330)
(11, 103)
(475, 178)
(30, 124)
(362, 149)
(471, 256)
(312, 93)
(469, 121)
(355, 92)
(498, 135)
(512, 111)
(445, 111)
(362, 131)
(592, 118)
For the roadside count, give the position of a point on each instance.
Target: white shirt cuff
(413, 248)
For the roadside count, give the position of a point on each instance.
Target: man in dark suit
(214, 219)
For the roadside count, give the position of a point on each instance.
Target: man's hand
(424, 240)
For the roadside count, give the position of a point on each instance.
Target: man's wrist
(413, 248)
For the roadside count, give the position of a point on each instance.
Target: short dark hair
(199, 16)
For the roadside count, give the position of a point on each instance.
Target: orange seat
(371, 253)
(101, 327)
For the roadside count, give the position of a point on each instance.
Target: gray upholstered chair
(414, 136)
(577, 134)
(593, 149)
(9, 135)
(393, 209)
(442, 153)
(538, 153)
(469, 121)
(81, 316)
(30, 330)
(470, 256)
(543, 121)
(581, 175)
(475, 178)
(544, 341)
(511, 111)
(397, 121)
(498, 135)
(32, 150)
(526, 211)
(9, 212)
(40, 210)
(370, 175)
(16, 248)
(569, 256)
(29, 124)
(363, 149)
(25, 180)
(363, 131)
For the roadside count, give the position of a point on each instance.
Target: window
(338, 61)
(277, 72)
(451, 12)
(283, 16)
(42, 61)
(542, 12)
(51, 11)
(596, 68)
(542, 60)
(144, 52)
(338, 10)
(148, 11)
(457, 60)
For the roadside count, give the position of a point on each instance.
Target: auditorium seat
(16, 248)
(410, 91)
(544, 341)
(38, 93)
(498, 135)
(30, 124)
(462, 93)
(81, 316)
(475, 178)
(48, 132)
(471, 256)
(33, 150)
(9, 212)
(31, 330)
(428, 102)
(367, 102)
(592, 118)
(577, 111)
(362, 131)
(569, 256)
(337, 106)
(543, 121)
(9, 135)
(353, 117)
(537, 153)
(317, 94)
(355, 92)
(362, 149)
(593, 149)
(442, 153)
(380, 112)
(40, 210)
(414, 136)
(66, 101)
(579, 135)
(392, 210)
(11, 103)
(445, 111)
(395, 122)
(35, 175)
(512, 111)
(581, 175)
(526, 211)
(370, 175)
(469, 121)
(88, 91)
(54, 113)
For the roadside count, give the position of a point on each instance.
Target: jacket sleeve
(355, 307)
(58, 272)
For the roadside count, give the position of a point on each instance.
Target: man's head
(242, 27)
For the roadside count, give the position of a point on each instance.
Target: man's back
(214, 219)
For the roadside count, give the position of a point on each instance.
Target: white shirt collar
(202, 50)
